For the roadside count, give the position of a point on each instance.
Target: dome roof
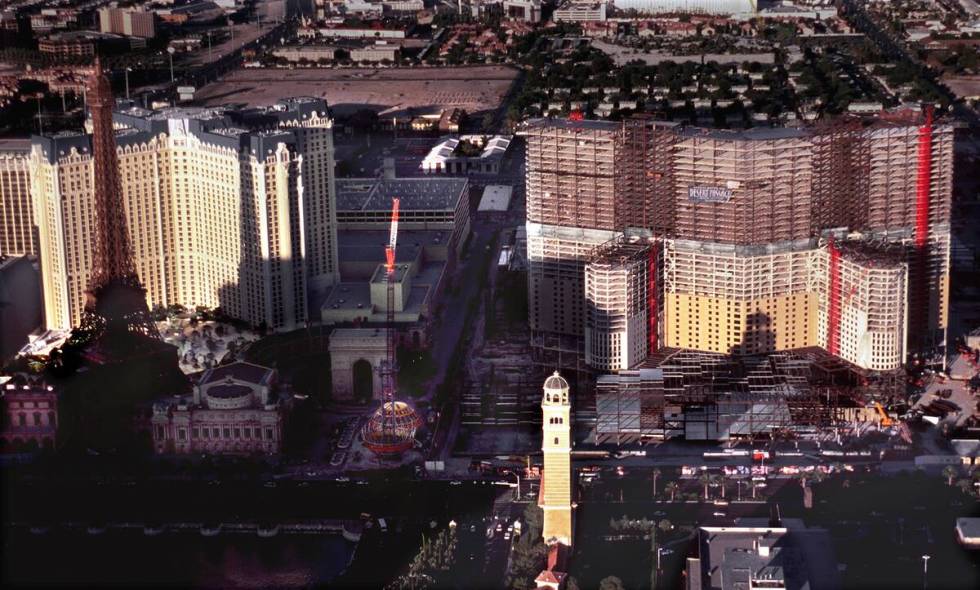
(400, 437)
(556, 382)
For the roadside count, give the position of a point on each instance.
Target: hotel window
(181, 434)
(216, 432)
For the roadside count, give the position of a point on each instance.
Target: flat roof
(356, 334)
(356, 245)
(496, 197)
(968, 527)
(418, 194)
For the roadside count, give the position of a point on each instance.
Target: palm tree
(720, 481)
(705, 480)
(949, 473)
(755, 486)
(656, 474)
(671, 488)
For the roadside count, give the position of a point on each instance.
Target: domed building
(399, 436)
(234, 410)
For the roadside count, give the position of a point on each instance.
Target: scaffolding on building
(705, 396)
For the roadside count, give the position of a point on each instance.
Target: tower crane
(389, 367)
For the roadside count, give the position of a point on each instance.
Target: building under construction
(704, 396)
(757, 241)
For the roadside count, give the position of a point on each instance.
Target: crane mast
(389, 367)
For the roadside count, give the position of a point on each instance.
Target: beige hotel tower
(556, 443)
(230, 208)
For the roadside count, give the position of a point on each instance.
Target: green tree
(949, 472)
(671, 488)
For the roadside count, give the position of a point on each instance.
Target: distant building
(753, 554)
(128, 22)
(689, 6)
(556, 478)
(234, 409)
(576, 11)
(447, 156)
(526, 10)
(66, 46)
(377, 52)
(16, 214)
(30, 414)
(313, 53)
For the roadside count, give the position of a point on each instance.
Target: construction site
(712, 284)
(745, 233)
(698, 396)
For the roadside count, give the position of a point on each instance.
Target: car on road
(455, 482)
(718, 514)
(341, 479)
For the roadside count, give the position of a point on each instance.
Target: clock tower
(556, 479)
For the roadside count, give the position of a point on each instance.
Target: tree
(611, 583)
(533, 517)
(705, 480)
(572, 584)
(965, 485)
(949, 472)
(719, 480)
(671, 488)
(656, 474)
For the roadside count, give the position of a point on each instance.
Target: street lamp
(126, 72)
(170, 51)
(515, 474)
(925, 571)
(210, 57)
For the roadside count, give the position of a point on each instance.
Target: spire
(116, 299)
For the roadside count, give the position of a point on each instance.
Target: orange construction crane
(886, 421)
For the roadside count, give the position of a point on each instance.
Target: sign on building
(709, 194)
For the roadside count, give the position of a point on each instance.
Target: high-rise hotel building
(756, 240)
(16, 219)
(225, 208)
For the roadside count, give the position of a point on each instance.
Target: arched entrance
(363, 381)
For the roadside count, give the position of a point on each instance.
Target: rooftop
(418, 194)
(496, 197)
(240, 371)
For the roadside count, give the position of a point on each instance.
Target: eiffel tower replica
(127, 365)
(116, 319)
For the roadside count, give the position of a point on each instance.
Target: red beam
(652, 300)
(833, 304)
(923, 181)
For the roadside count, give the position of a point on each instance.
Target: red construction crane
(390, 365)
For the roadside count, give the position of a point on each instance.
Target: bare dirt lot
(473, 89)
